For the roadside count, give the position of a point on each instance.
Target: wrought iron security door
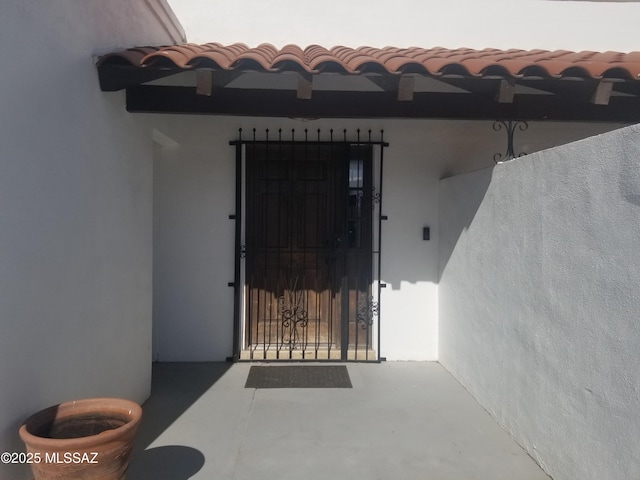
(307, 250)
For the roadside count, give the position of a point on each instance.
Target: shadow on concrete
(174, 388)
(170, 462)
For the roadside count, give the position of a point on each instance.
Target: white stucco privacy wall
(75, 211)
(539, 303)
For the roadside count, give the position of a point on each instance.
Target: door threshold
(262, 352)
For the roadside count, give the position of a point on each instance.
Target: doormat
(299, 376)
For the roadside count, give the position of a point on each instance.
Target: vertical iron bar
(255, 280)
(331, 263)
(318, 260)
(291, 220)
(343, 250)
(279, 239)
(262, 292)
(369, 251)
(380, 242)
(252, 315)
(305, 240)
(344, 307)
(248, 321)
(268, 304)
(238, 232)
(353, 254)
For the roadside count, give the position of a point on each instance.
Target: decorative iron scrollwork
(294, 316)
(243, 251)
(510, 127)
(366, 311)
(376, 197)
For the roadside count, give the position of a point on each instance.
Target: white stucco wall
(75, 212)
(193, 242)
(539, 303)
(526, 24)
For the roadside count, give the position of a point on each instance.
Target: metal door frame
(371, 315)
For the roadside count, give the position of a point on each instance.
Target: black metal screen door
(308, 251)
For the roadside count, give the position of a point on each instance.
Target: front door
(308, 251)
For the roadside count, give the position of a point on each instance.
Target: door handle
(338, 241)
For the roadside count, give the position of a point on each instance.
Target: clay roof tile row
(431, 61)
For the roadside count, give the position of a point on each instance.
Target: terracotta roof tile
(132, 56)
(432, 61)
(293, 54)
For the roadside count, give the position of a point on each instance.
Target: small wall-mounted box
(426, 233)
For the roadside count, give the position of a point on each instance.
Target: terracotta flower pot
(85, 439)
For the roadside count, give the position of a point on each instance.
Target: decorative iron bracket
(510, 128)
(366, 310)
(376, 197)
(292, 310)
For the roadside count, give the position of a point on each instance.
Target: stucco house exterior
(218, 201)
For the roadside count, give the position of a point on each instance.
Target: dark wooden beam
(584, 90)
(305, 86)
(340, 104)
(630, 88)
(402, 86)
(572, 90)
(207, 80)
(118, 77)
(486, 87)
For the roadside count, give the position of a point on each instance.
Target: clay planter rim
(125, 408)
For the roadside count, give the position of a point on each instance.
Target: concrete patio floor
(399, 421)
